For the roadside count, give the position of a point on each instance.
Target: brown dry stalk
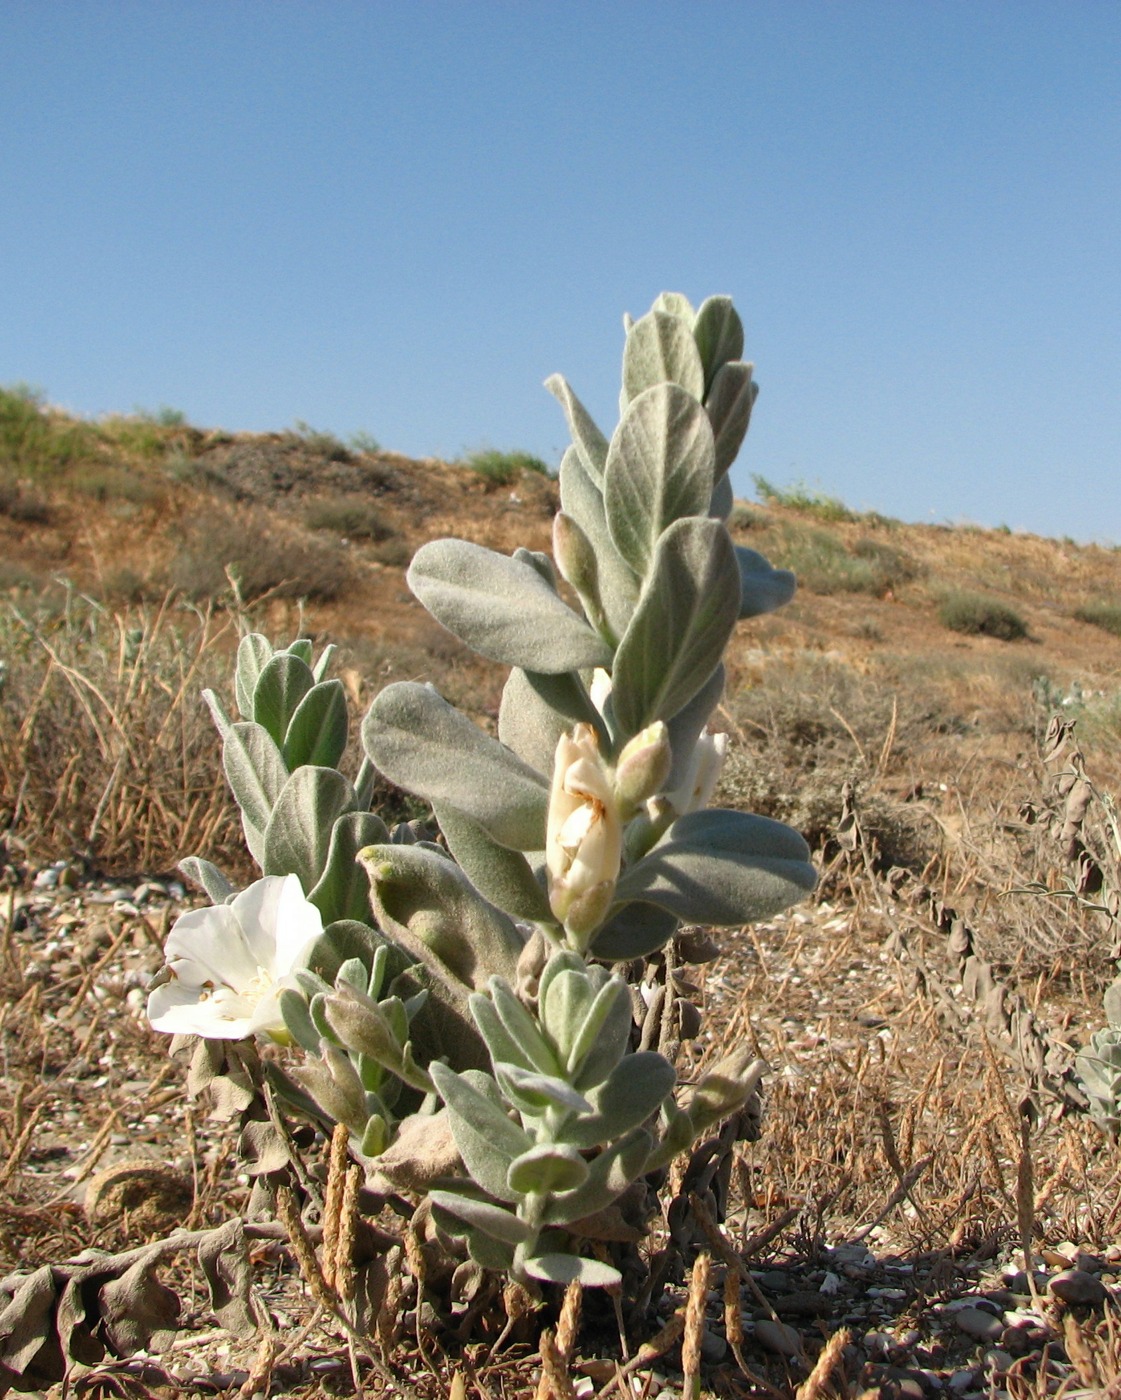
(649, 1351)
(562, 1346)
(817, 1382)
(694, 1325)
(333, 1200)
(1081, 1354)
(346, 1279)
(1025, 1197)
(260, 1374)
(289, 1213)
(555, 1383)
(15, 1156)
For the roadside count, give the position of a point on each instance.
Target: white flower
(229, 963)
(584, 835)
(702, 775)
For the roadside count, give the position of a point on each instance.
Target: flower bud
(584, 834)
(644, 765)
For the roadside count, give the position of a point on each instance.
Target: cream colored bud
(584, 833)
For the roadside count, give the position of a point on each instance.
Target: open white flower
(229, 963)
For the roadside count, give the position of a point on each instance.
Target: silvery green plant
(1099, 1067)
(586, 820)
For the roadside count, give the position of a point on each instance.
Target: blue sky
(402, 217)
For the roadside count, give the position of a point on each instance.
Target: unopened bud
(644, 765)
(584, 833)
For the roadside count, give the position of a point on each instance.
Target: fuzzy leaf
(283, 683)
(298, 836)
(586, 437)
(537, 709)
(523, 1027)
(661, 348)
(502, 608)
(718, 332)
(582, 499)
(208, 877)
(729, 403)
(683, 621)
(634, 1090)
(316, 733)
(342, 891)
(722, 867)
(548, 1167)
(536, 1094)
(256, 774)
(688, 724)
(659, 469)
(500, 1224)
(723, 499)
(602, 1039)
(570, 1268)
(635, 931)
(503, 876)
(426, 746)
(609, 1175)
(424, 901)
(487, 1140)
(254, 652)
(763, 588)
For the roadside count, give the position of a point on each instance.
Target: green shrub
(743, 517)
(35, 442)
(894, 566)
(261, 561)
(363, 442)
(823, 564)
(976, 615)
(348, 516)
(25, 506)
(326, 444)
(807, 499)
(503, 468)
(1101, 614)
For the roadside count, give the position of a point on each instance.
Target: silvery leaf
(254, 652)
(683, 621)
(528, 724)
(729, 403)
(602, 1038)
(582, 500)
(342, 891)
(294, 1009)
(502, 608)
(609, 1175)
(635, 931)
(570, 1268)
(256, 774)
(564, 1000)
(523, 1027)
(499, 1223)
(634, 1090)
(722, 867)
(688, 725)
(424, 901)
(426, 746)
(718, 332)
(763, 588)
(487, 1140)
(503, 876)
(659, 469)
(548, 1167)
(676, 304)
(537, 1094)
(660, 348)
(720, 507)
(500, 1042)
(298, 834)
(586, 437)
(280, 687)
(300, 648)
(316, 733)
(208, 877)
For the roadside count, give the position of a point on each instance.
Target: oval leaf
(316, 733)
(660, 348)
(502, 608)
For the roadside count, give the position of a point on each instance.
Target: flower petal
(177, 1010)
(298, 923)
(208, 946)
(256, 909)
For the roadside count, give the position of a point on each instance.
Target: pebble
(961, 1380)
(713, 1348)
(998, 1360)
(975, 1322)
(777, 1336)
(1078, 1288)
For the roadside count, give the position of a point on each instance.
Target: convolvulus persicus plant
(586, 819)
(580, 836)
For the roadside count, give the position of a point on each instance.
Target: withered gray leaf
(224, 1260)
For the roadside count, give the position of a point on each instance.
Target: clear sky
(402, 217)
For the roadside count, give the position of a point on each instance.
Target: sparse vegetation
(348, 516)
(808, 500)
(503, 468)
(326, 444)
(980, 616)
(1101, 614)
(262, 562)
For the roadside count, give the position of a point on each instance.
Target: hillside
(894, 713)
